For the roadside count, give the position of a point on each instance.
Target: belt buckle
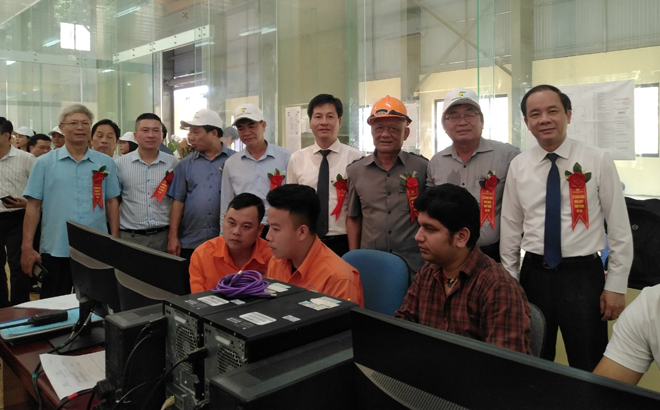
(150, 231)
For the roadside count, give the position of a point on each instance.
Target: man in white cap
(57, 137)
(322, 166)
(22, 135)
(474, 163)
(256, 168)
(195, 212)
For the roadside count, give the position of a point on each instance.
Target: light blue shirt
(138, 182)
(64, 188)
(197, 183)
(243, 173)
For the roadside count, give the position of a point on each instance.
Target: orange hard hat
(388, 107)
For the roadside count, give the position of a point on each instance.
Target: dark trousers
(493, 251)
(569, 297)
(58, 280)
(338, 243)
(11, 237)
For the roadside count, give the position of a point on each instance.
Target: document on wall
(293, 126)
(602, 116)
(69, 374)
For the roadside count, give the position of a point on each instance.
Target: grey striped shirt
(138, 181)
(15, 170)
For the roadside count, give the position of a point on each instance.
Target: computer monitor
(155, 268)
(401, 365)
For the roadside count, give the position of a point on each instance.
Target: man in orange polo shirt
(239, 247)
(300, 258)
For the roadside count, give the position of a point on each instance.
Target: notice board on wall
(603, 116)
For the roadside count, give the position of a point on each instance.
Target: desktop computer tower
(250, 333)
(318, 375)
(148, 361)
(185, 333)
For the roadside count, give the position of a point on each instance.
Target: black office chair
(134, 293)
(537, 330)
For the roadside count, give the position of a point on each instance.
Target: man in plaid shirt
(459, 289)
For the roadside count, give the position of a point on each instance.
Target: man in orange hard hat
(383, 186)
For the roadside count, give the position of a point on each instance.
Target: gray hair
(74, 109)
(230, 132)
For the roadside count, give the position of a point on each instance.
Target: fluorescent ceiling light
(127, 11)
(10, 62)
(107, 70)
(265, 30)
(51, 42)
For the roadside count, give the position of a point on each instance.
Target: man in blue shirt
(195, 212)
(254, 169)
(64, 186)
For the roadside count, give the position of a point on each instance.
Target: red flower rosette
(577, 183)
(161, 189)
(487, 199)
(276, 179)
(409, 181)
(341, 186)
(97, 187)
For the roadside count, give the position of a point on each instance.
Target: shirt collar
(12, 152)
(334, 147)
(270, 152)
(468, 267)
(402, 157)
(135, 156)
(484, 146)
(562, 151)
(222, 251)
(63, 153)
(308, 263)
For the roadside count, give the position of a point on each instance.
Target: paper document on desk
(64, 302)
(69, 374)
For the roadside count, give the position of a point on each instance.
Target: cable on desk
(91, 399)
(243, 283)
(67, 399)
(37, 370)
(128, 393)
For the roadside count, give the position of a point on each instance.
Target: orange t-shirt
(211, 262)
(322, 271)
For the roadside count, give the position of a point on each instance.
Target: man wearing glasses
(383, 186)
(73, 183)
(474, 163)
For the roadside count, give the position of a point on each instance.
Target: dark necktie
(552, 237)
(322, 189)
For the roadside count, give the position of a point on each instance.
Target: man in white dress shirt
(326, 159)
(557, 198)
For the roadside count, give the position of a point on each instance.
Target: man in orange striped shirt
(300, 258)
(239, 247)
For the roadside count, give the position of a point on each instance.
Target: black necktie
(552, 237)
(322, 189)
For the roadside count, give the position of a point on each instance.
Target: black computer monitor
(403, 365)
(156, 268)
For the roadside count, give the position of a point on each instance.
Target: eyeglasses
(469, 117)
(76, 124)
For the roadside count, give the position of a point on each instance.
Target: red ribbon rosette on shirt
(409, 181)
(487, 199)
(577, 183)
(276, 179)
(97, 186)
(341, 185)
(161, 189)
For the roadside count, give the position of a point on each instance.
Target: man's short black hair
(454, 207)
(36, 138)
(565, 101)
(164, 128)
(246, 200)
(6, 126)
(301, 201)
(323, 99)
(147, 116)
(111, 123)
(209, 128)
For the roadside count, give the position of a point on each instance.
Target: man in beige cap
(254, 169)
(57, 137)
(474, 163)
(195, 212)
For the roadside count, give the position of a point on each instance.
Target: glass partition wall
(126, 57)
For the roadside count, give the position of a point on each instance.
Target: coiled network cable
(243, 283)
